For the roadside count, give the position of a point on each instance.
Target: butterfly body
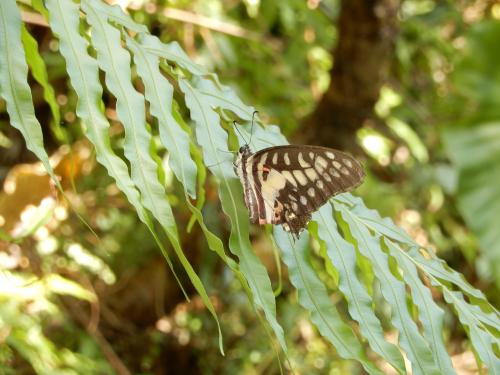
(286, 184)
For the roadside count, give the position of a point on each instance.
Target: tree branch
(362, 59)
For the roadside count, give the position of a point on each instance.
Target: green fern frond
(351, 233)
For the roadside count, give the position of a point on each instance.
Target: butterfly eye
(241, 149)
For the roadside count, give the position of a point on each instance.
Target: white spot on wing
(320, 164)
(275, 158)
(345, 171)
(327, 177)
(299, 175)
(303, 200)
(291, 197)
(295, 206)
(275, 180)
(270, 189)
(311, 192)
(286, 158)
(330, 155)
(311, 174)
(263, 159)
(260, 166)
(302, 162)
(321, 161)
(289, 177)
(336, 164)
(348, 163)
(320, 184)
(311, 155)
(334, 172)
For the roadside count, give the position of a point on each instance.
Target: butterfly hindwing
(286, 184)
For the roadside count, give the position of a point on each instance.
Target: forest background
(411, 88)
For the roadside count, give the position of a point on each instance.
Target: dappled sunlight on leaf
(83, 286)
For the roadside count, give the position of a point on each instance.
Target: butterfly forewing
(286, 184)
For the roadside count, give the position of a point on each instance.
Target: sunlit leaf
(14, 87)
(343, 256)
(39, 71)
(130, 107)
(313, 296)
(394, 292)
(213, 139)
(430, 314)
(158, 92)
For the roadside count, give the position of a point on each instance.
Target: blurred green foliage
(441, 152)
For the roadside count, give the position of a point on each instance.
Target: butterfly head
(243, 153)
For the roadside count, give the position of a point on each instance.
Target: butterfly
(286, 184)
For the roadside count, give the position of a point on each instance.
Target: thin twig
(211, 44)
(209, 23)
(33, 18)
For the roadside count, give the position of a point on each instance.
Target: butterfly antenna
(238, 130)
(251, 129)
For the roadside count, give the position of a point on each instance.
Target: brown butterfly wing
(313, 174)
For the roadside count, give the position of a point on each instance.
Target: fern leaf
(430, 314)
(159, 92)
(14, 87)
(343, 256)
(115, 14)
(477, 315)
(83, 73)
(212, 139)
(173, 53)
(313, 296)
(482, 340)
(394, 292)
(130, 107)
(367, 236)
(39, 72)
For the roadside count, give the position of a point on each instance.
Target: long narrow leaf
(430, 314)
(481, 339)
(386, 227)
(14, 87)
(115, 14)
(159, 92)
(171, 52)
(130, 107)
(83, 73)
(394, 293)
(343, 256)
(432, 265)
(313, 296)
(373, 220)
(471, 315)
(39, 72)
(213, 139)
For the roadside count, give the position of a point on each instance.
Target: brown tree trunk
(362, 59)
